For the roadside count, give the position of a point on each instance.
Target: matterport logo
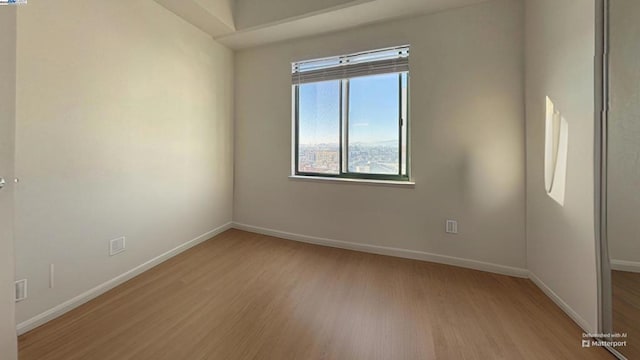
(610, 340)
(12, 2)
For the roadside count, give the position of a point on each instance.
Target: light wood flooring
(248, 296)
(626, 310)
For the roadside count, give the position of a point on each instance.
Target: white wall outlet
(21, 290)
(116, 246)
(451, 227)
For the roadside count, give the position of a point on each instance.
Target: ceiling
(241, 24)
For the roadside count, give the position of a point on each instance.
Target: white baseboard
(561, 303)
(88, 295)
(389, 251)
(624, 265)
(436, 258)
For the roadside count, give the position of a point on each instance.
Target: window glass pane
(319, 127)
(373, 131)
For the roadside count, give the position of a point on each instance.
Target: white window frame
(393, 60)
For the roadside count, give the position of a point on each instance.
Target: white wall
(624, 133)
(124, 128)
(251, 13)
(560, 48)
(222, 9)
(211, 16)
(467, 135)
(8, 346)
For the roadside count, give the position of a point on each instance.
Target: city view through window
(372, 133)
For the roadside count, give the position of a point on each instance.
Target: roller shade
(383, 61)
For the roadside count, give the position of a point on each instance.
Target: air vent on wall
(116, 246)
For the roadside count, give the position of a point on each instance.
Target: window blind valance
(383, 61)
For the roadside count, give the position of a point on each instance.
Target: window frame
(343, 148)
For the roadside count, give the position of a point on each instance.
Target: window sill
(389, 183)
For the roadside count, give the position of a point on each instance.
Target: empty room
(304, 179)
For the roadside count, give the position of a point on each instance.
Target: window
(350, 115)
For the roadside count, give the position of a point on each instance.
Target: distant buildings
(363, 158)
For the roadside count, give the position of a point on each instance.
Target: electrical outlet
(116, 246)
(21, 290)
(451, 227)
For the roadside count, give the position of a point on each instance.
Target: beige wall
(222, 9)
(467, 135)
(252, 13)
(624, 133)
(560, 47)
(124, 128)
(8, 347)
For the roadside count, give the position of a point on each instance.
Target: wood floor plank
(626, 310)
(247, 296)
